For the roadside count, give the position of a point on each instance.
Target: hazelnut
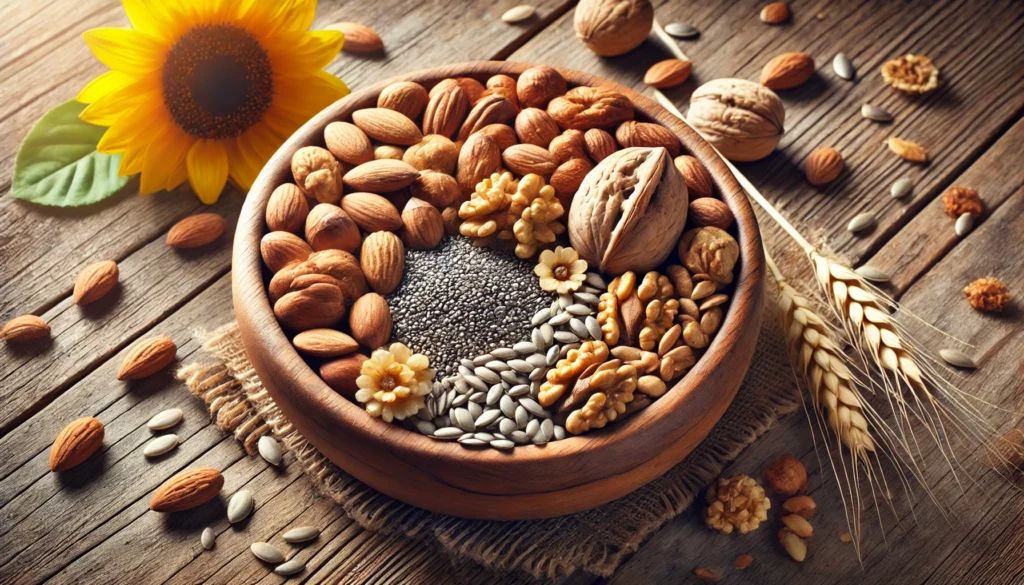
(539, 85)
(786, 475)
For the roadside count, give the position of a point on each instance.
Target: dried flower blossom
(911, 73)
(988, 294)
(561, 270)
(736, 503)
(394, 382)
(960, 200)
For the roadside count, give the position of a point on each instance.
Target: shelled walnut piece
(736, 503)
(988, 294)
(601, 395)
(565, 373)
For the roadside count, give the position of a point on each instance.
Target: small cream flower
(394, 382)
(561, 271)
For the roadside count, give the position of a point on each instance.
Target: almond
(287, 209)
(568, 177)
(341, 374)
(907, 150)
(406, 97)
(324, 343)
(24, 328)
(370, 320)
(329, 227)
(798, 525)
(381, 176)
(148, 357)
(698, 179)
(668, 73)
(371, 212)
(473, 88)
(383, 260)
(788, 70)
(187, 490)
(631, 133)
(491, 109)
(795, 546)
(196, 230)
(316, 306)
(445, 111)
(280, 249)
(438, 189)
(539, 85)
(803, 506)
(504, 86)
(359, 38)
(435, 152)
(478, 159)
(76, 443)
(823, 166)
(503, 134)
(537, 127)
(387, 126)
(348, 143)
(95, 281)
(775, 13)
(599, 144)
(708, 211)
(568, 145)
(423, 226)
(523, 159)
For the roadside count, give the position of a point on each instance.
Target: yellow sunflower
(208, 89)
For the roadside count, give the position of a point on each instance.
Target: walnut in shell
(629, 211)
(742, 119)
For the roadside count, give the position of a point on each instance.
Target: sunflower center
(217, 81)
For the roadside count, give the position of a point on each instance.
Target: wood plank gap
(542, 25)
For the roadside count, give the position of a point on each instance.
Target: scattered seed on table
(518, 13)
(681, 31)
(861, 223)
(270, 450)
(290, 567)
(875, 113)
(165, 419)
(901, 188)
(208, 538)
(240, 506)
(301, 534)
(843, 67)
(871, 273)
(160, 445)
(964, 223)
(266, 552)
(958, 358)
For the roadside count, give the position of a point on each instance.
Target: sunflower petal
(108, 82)
(108, 109)
(207, 169)
(300, 54)
(151, 18)
(124, 50)
(131, 128)
(164, 156)
(294, 15)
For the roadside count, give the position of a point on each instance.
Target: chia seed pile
(461, 300)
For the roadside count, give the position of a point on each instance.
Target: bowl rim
(656, 421)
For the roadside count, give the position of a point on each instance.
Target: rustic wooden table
(92, 525)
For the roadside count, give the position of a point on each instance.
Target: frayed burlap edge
(595, 541)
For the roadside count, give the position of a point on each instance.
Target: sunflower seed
(290, 567)
(518, 13)
(843, 67)
(495, 394)
(559, 432)
(466, 368)
(487, 419)
(537, 360)
(578, 327)
(476, 383)
(594, 279)
(160, 445)
(239, 506)
(579, 310)
(524, 347)
(522, 366)
(566, 337)
(564, 300)
(481, 360)
(496, 366)
(502, 444)
(165, 419)
(559, 319)
(548, 428)
(542, 316)
(504, 353)
(958, 358)
(531, 405)
(471, 442)
(538, 374)
(532, 428)
(552, 356)
(301, 534)
(461, 386)
(567, 348)
(594, 328)
(538, 339)
(518, 390)
(489, 376)
(522, 416)
(509, 377)
(681, 31)
(463, 420)
(556, 307)
(964, 223)
(875, 113)
(475, 410)
(547, 332)
(208, 538)
(448, 433)
(540, 438)
(266, 552)
(485, 437)
(479, 397)
(901, 188)
(588, 298)
(425, 427)
(860, 223)
(507, 426)
(270, 450)
(460, 400)
(519, 437)
(873, 274)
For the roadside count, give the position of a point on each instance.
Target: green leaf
(58, 163)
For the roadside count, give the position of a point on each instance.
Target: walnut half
(604, 392)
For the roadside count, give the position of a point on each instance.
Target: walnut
(434, 153)
(742, 119)
(317, 173)
(620, 311)
(710, 251)
(960, 200)
(583, 108)
(601, 395)
(535, 210)
(988, 294)
(911, 73)
(736, 503)
(486, 212)
(336, 267)
(563, 375)
(660, 308)
(787, 475)
(613, 27)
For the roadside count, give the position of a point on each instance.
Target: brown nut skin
(535, 126)
(786, 475)
(539, 85)
(320, 305)
(568, 177)
(613, 27)
(317, 173)
(705, 211)
(423, 225)
(503, 134)
(438, 189)
(287, 209)
(742, 119)
(632, 133)
(341, 374)
(370, 320)
(406, 97)
(434, 153)
(76, 443)
(329, 227)
(568, 145)
(583, 108)
(698, 179)
(599, 144)
(823, 166)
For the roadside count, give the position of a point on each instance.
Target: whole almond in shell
(148, 357)
(435, 153)
(95, 281)
(329, 227)
(446, 111)
(668, 73)
(325, 343)
(287, 209)
(478, 159)
(568, 177)
(599, 144)
(348, 143)
(423, 226)
(524, 159)
(196, 230)
(24, 328)
(491, 109)
(279, 249)
(775, 13)
(631, 133)
(503, 134)
(187, 490)
(317, 173)
(372, 212)
(788, 70)
(823, 165)
(316, 306)
(381, 176)
(706, 211)
(76, 443)
(370, 320)
(406, 97)
(438, 189)
(568, 145)
(341, 374)
(698, 180)
(359, 38)
(535, 126)
(539, 85)
(387, 126)
(383, 260)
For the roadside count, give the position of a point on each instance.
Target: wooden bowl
(561, 477)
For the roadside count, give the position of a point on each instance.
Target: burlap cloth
(596, 541)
